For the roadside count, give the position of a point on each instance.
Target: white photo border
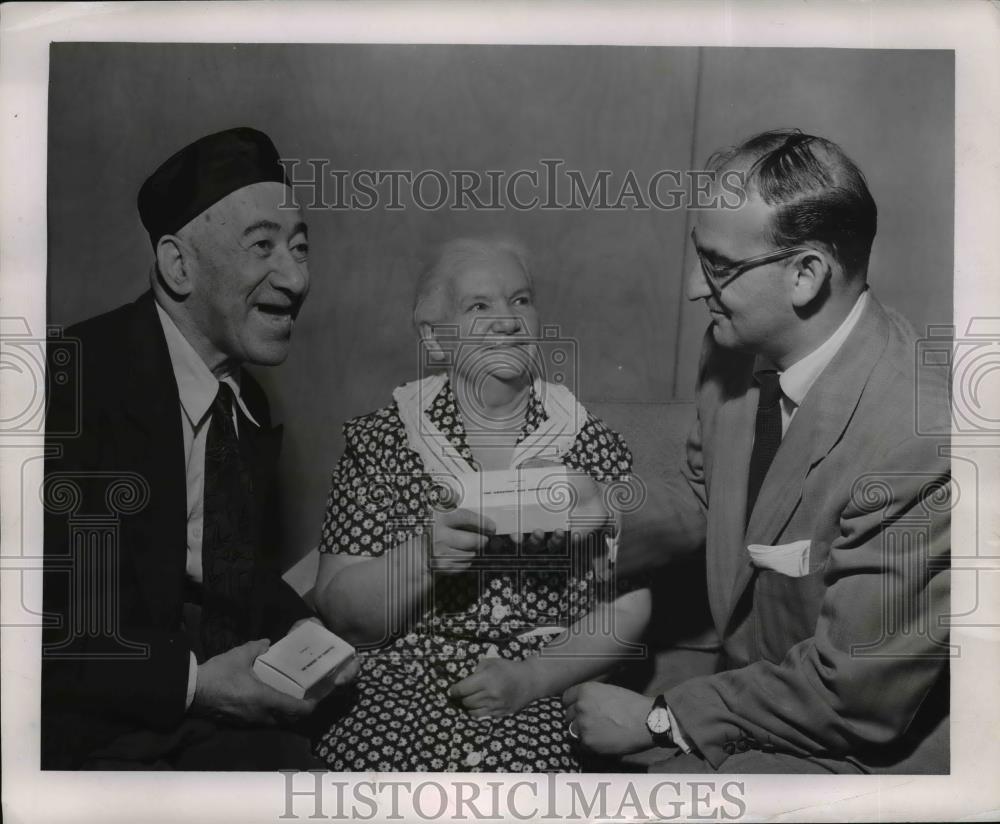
(970, 29)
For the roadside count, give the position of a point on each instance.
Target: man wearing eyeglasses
(823, 516)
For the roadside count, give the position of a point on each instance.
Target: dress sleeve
(370, 511)
(600, 452)
(603, 454)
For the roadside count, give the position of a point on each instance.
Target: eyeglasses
(719, 277)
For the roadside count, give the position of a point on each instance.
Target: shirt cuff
(192, 682)
(676, 734)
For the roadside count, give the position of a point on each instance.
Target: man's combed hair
(818, 192)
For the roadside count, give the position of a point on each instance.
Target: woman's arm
(370, 600)
(587, 649)
(353, 592)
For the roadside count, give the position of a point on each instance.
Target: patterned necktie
(767, 434)
(230, 534)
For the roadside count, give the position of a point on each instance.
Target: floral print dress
(402, 719)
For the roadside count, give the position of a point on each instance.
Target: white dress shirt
(197, 387)
(797, 379)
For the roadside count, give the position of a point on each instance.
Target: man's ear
(431, 344)
(812, 272)
(174, 264)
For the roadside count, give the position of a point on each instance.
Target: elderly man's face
(754, 311)
(250, 275)
(494, 310)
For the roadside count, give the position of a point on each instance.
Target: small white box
(305, 663)
(520, 500)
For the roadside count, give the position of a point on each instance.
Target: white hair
(436, 284)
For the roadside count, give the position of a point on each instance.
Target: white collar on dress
(553, 438)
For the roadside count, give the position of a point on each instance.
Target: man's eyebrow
(715, 257)
(261, 224)
(271, 226)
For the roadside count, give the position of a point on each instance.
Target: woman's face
(495, 317)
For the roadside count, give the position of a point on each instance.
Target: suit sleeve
(281, 605)
(670, 524)
(878, 649)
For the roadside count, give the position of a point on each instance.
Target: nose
(506, 325)
(290, 275)
(696, 287)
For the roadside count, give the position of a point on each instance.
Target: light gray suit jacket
(849, 661)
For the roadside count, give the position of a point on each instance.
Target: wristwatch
(658, 723)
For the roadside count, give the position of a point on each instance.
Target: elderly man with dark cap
(147, 659)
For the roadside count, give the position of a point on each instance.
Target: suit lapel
(153, 441)
(817, 426)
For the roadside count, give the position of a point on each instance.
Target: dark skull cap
(202, 174)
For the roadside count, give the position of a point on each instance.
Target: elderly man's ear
(174, 264)
(813, 272)
(431, 344)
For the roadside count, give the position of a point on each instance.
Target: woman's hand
(458, 536)
(497, 688)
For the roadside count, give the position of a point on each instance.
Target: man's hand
(498, 687)
(228, 690)
(458, 536)
(608, 720)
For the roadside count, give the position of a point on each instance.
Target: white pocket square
(788, 559)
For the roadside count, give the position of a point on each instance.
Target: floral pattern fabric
(402, 719)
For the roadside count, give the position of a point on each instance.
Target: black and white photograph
(558, 418)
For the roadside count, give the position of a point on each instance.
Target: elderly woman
(466, 663)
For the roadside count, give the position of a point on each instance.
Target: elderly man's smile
(277, 314)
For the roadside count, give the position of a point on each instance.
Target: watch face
(658, 720)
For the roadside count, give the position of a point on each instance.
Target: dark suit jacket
(848, 662)
(115, 654)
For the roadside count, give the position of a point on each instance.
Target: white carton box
(305, 663)
(520, 500)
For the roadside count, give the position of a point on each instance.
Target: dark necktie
(767, 434)
(230, 532)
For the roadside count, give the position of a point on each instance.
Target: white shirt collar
(196, 384)
(797, 379)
